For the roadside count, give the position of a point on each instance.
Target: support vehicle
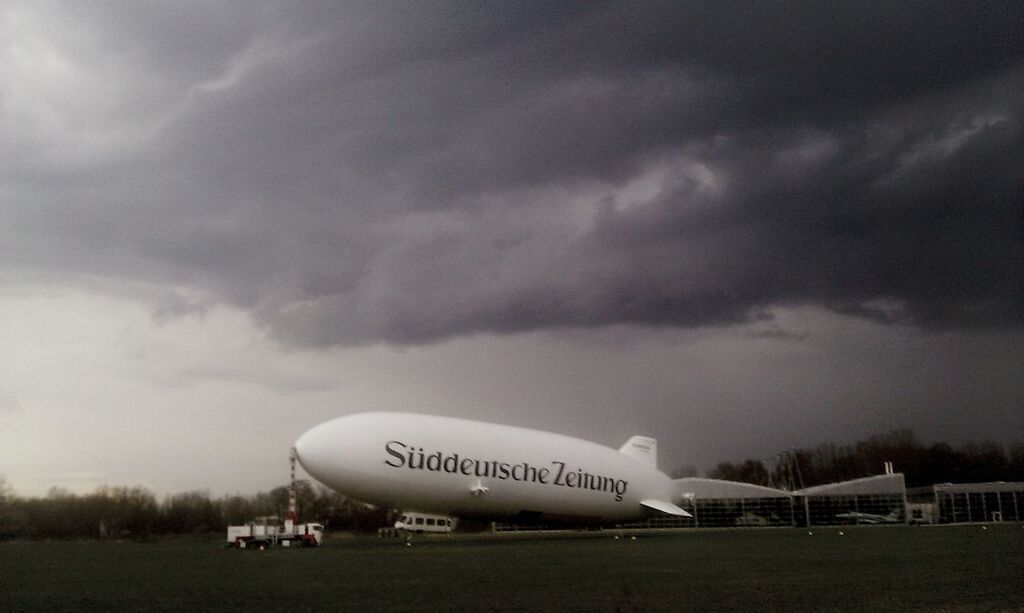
(263, 535)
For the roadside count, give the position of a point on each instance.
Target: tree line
(135, 512)
(920, 464)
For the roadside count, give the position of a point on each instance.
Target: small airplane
(870, 518)
(464, 468)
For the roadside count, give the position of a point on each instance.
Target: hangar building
(880, 499)
(714, 503)
(957, 503)
(725, 504)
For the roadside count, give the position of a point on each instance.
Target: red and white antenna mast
(292, 491)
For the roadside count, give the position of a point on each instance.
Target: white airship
(473, 469)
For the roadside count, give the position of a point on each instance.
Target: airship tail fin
(643, 448)
(665, 507)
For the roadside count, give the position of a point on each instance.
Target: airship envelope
(468, 468)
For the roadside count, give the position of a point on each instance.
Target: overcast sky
(738, 228)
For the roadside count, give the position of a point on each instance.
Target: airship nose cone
(314, 450)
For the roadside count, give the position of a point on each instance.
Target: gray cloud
(413, 173)
(8, 402)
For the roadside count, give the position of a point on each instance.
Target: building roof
(699, 488)
(877, 484)
(703, 489)
(970, 488)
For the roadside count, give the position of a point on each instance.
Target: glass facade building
(961, 503)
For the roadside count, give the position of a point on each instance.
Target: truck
(261, 535)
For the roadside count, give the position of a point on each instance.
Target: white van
(422, 522)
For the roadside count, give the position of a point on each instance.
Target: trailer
(263, 535)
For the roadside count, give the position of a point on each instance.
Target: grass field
(866, 569)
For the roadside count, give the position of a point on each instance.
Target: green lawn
(882, 568)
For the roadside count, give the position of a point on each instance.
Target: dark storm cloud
(414, 172)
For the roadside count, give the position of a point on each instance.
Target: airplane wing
(664, 507)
